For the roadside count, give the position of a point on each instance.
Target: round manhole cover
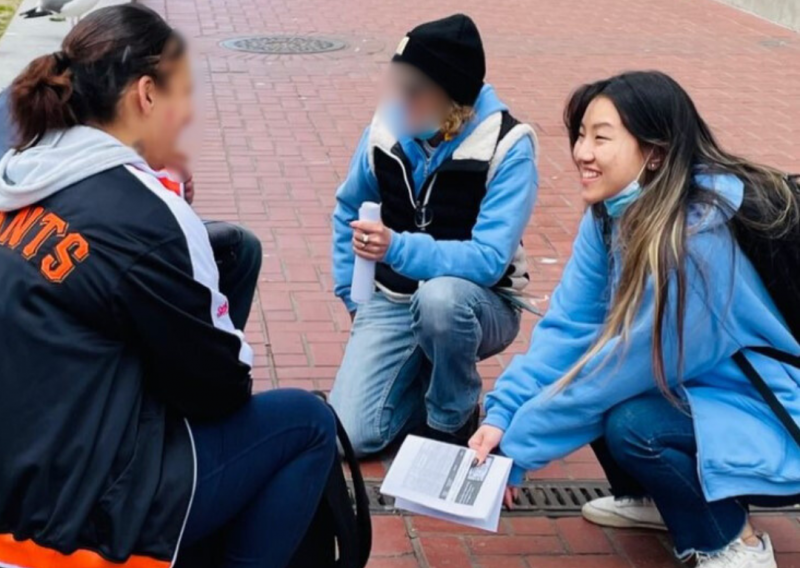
(284, 45)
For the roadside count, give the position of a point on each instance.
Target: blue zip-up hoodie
(505, 212)
(742, 447)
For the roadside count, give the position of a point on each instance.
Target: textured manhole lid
(284, 44)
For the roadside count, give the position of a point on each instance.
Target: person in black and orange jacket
(127, 423)
(237, 251)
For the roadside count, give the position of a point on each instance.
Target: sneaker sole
(604, 519)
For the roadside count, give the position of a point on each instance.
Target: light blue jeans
(408, 363)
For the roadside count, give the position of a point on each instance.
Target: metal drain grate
(559, 498)
(551, 499)
(284, 45)
(541, 499)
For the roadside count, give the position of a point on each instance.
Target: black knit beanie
(450, 52)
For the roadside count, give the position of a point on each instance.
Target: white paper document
(438, 480)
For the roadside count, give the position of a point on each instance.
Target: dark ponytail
(83, 83)
(40, 96)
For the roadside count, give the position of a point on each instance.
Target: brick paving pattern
(278, 132)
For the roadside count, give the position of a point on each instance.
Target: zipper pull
(419, 213)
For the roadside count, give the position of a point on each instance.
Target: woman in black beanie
(456, 177)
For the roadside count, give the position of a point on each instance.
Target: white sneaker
(740, 555)
(623, 513)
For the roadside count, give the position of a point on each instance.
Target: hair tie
(63, 61)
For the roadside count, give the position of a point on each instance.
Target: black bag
(337, 526)
(777, 262)
(341, 525)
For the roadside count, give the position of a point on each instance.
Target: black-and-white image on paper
(439, 480)
(471, 486)
(427, 475)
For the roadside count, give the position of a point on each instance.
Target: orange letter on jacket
(69, 250)
(51, 224)
(20, 225)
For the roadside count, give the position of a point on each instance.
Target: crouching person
(662, 314)
(456, 176)
(128, 429)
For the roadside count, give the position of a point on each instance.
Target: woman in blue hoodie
(635, 352)
(455, 174)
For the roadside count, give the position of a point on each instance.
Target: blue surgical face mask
(427, 133)
(395, 116)
(617, 204)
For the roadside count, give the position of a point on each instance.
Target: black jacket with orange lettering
(114, 338)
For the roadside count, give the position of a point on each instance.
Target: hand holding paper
(439, 480)
(486, 439)
(371, 239)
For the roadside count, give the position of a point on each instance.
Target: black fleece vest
(446, 208)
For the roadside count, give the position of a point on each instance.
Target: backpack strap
(363, 522)
(778, 355)
(763, 389)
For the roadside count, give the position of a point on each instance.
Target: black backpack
(340, 535)
(777, 262)
(338, 526)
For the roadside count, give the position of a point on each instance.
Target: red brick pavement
(277, 137)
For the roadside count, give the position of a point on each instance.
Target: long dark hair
(659, 113)
(99, 59)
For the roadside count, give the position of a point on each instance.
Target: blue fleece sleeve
(572, 322)
(504, 213)
(359, 186)
(551, 425)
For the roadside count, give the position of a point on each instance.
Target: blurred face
(156, 115)
(608, 156)
(424, 103)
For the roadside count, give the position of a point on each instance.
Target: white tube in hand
(363, 284)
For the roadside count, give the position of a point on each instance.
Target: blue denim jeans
(260, 476)
(260, 471)
(407, 363)
(649, 449)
